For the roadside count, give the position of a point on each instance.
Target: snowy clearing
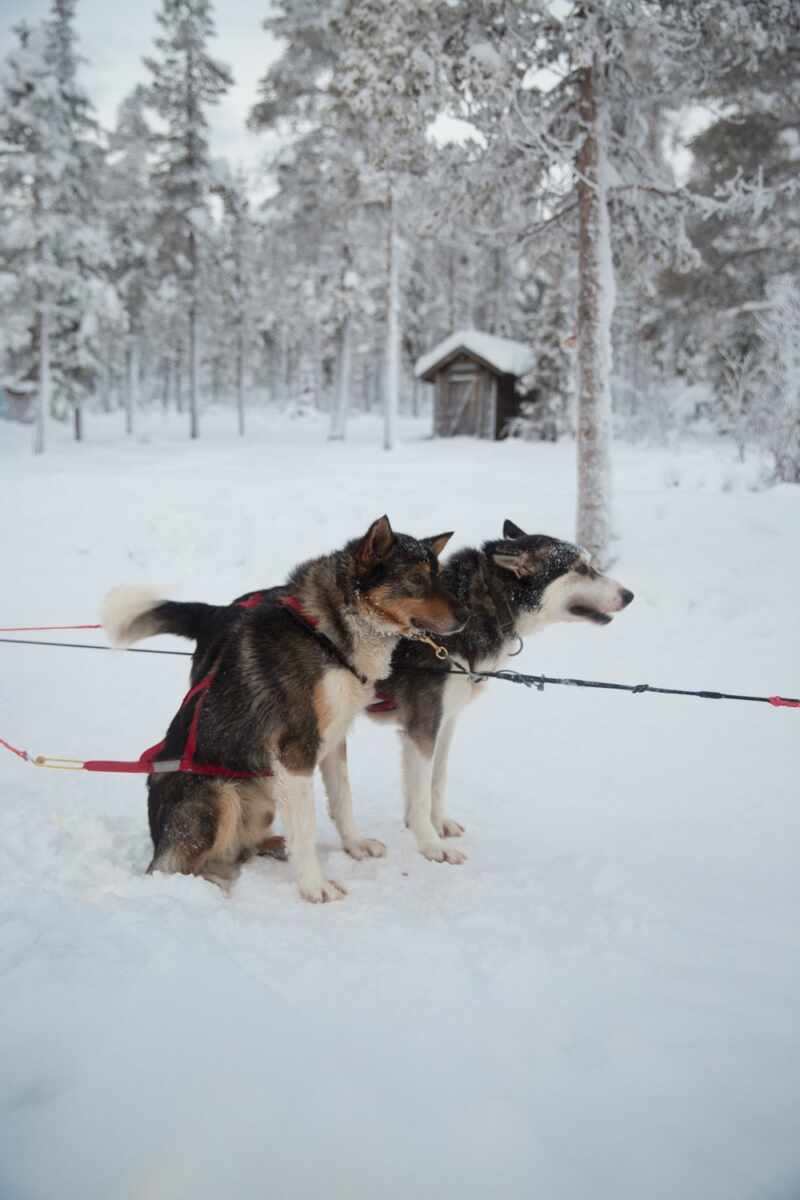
(601, 1003)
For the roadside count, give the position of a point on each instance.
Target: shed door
(462, 416)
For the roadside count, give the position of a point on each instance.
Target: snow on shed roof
(23, 387)
(504, 355)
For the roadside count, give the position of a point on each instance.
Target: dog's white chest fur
(345, 696)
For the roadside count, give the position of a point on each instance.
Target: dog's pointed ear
(510, 530)
(514, 561)
(438, 542)
(376, 542)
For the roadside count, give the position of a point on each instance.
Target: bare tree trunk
(240, 376)
(595, 310)
(43, 404)
(131, 382)
(194, 413)
(392, 388)
(194, 420)
(108, 388)
(179, 380)
(77, 420)
(343, 384)
(166, 388)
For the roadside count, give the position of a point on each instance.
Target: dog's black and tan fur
(511, 587)
(281, 700)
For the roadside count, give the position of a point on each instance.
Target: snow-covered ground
(602, 1003)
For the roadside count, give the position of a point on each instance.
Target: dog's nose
(626, 597)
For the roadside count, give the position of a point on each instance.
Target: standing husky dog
(511, 587)
(282, 679)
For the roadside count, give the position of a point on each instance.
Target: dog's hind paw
(437, 853)
(273, 847)
(323, 892)
(365, 848)
(447, 827)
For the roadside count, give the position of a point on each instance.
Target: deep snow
(601, 1003)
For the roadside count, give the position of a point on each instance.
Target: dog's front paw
(448, 828)
(323, 891)
(365, 848)
(438, 853)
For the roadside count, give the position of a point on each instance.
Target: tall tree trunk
(392, 386)
(108, 388)
(240, 375)
(344, 375)
(131, 382)
(194, 414)
(178, 378)
(77, 420)
(43, 399)
(595, 310)
(165, 391)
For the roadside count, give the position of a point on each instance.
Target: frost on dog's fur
(127, 614)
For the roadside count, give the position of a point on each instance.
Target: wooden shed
(475, 376)
(18, 400)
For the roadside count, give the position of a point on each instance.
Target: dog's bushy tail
(130, 614)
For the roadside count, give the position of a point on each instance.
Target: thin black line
(94, 646)
(536, 681)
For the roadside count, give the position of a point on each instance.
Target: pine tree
(130, 206)
(81, 250)
(28, 172)
(186, 80)
(320, 218)
(388, 84)
(52, 241)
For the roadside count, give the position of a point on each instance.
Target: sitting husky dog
(281, 677)
(511, 587)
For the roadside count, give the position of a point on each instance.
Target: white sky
(114, 34)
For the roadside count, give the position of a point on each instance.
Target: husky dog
(278, 679)
(511, 587)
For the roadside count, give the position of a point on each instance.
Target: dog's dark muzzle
(445, 616)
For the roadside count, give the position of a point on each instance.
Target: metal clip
(440, 651)
(57, 764)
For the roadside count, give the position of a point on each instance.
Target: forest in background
(515, 166)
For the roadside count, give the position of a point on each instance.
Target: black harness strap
(309, 623)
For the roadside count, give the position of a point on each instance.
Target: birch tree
(571, 88)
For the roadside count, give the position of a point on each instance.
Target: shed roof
(23, 387)
(503, 355)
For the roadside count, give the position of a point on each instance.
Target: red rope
(23, 754)
(148, 763)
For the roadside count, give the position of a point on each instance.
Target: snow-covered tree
(322, 212)
(28, 177)
(130, 207)
(52, 242)
(185, 81)
(779, 327)
(388, 83)
(80, 246)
